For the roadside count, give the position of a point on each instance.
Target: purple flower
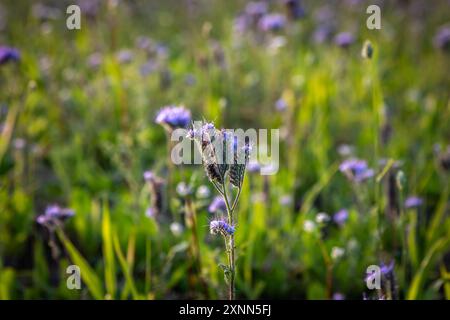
(174, 116)
(256, 8)
(295, 9)
(272, 22)
(322, 34)
(8, 54)
(124, 56)
(253, 166)
(218, 204)
(344, 39)
(338, 296)
(281, 105)
(356, 170)
(54, 214)
(412, 202)
(150, 212)
(340, 217)
(387, 269)
(222, 227)
(442, 38)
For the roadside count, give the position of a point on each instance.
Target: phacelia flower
(442, 38)
(174, 116)
(8, 54)
(356, 170)
(183, 189)
(54, 214)
(344, 39)
(413, 202)
(218, 204)
(281, 105)
(340, 217)
(338, 296)
(322, 217)
(272, 22)
(221, 227)
(203, 192)
(253, 166)
(295, 9)
(256, 8)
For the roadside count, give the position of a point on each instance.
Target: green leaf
(88, 275)
(108, 253)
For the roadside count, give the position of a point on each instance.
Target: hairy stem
(230, 249)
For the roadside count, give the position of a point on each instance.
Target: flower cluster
(356, 170)
(54, 214)
(221, 227)
(8, 54)
(173, 117)
(218, 204)
(223, 154)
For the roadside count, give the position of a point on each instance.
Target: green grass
(90, 134)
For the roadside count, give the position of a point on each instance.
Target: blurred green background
(77, 129)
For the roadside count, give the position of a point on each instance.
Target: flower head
(281, 105)
(54, 214)
(174, 117)
(356, 170)
(344, 39)
(218, 204)
(413, 202)
(338, 296)
(272, 22)
(340, 217)
(221, 227)
(442, 38)
(8, 54)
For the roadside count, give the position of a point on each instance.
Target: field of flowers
(87, 179)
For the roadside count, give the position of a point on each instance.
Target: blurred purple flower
(256, 8)
(322, 34)
(95, 60)
(218, 204)
(54, 214)
(124, 56)
(340, 217)
(150, 212)
(281, 105)
(442, 38)
(253, 166)
(356, 170)
(344, 39)
(338, 296)
(286, 200)
(8, 54)
(272, 22)
(387, 269)
(295, 9)
(412, 202)
(174, 116)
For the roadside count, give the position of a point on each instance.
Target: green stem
(230, 251)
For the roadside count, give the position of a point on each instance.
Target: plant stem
(230, 250)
